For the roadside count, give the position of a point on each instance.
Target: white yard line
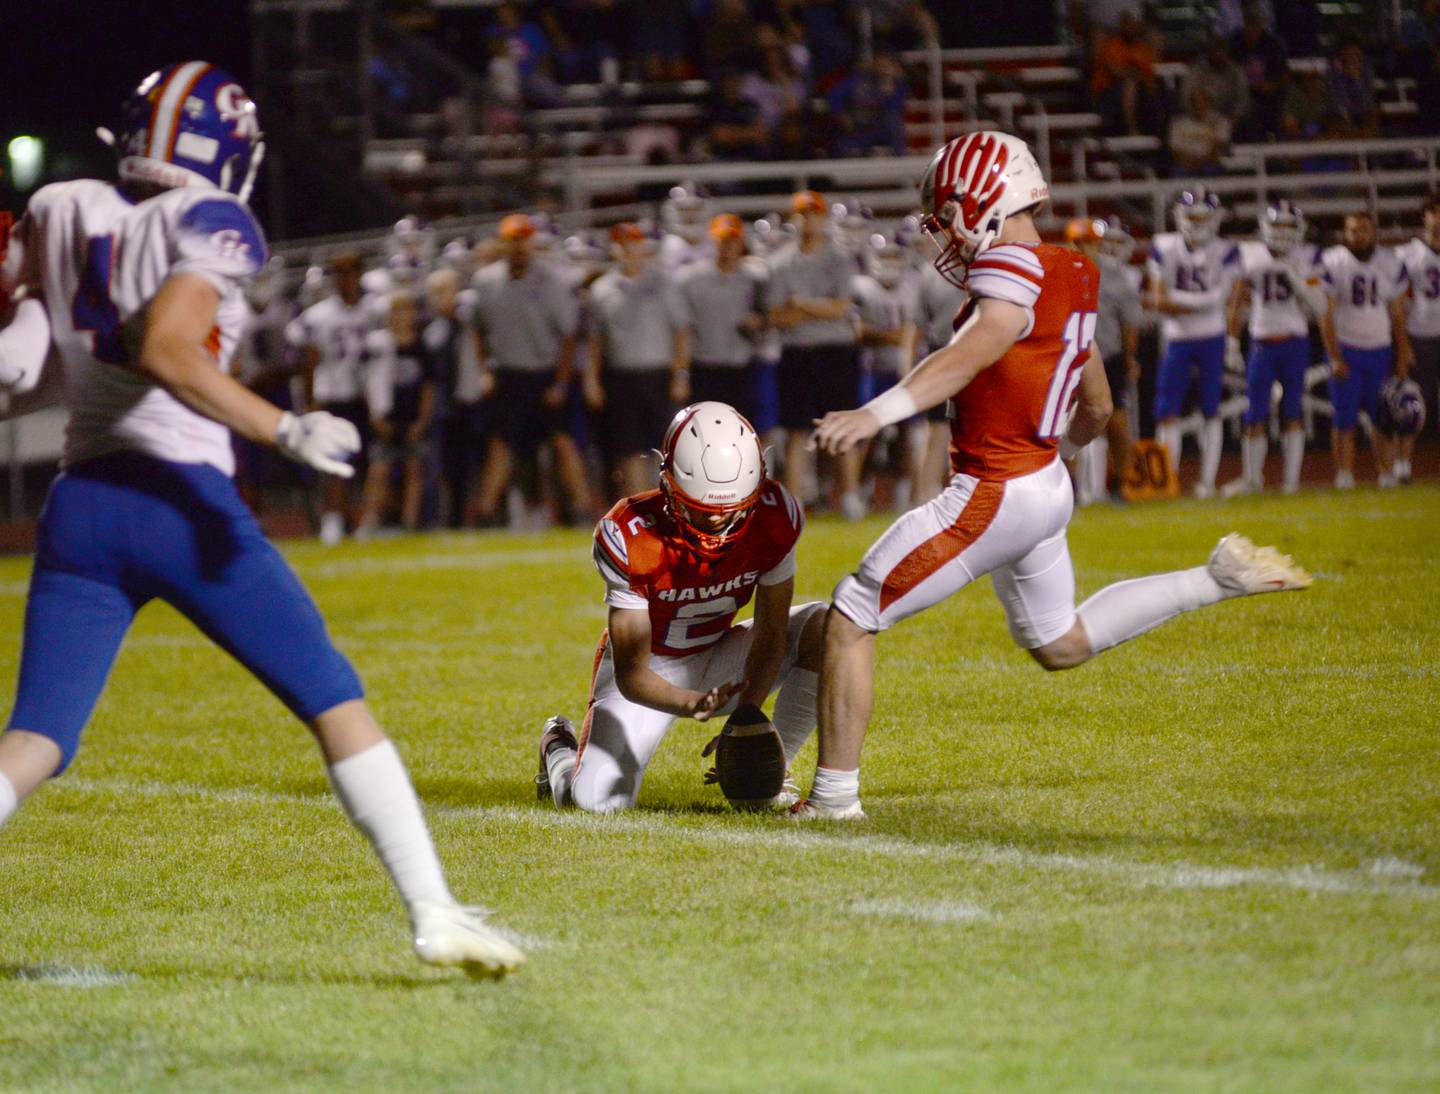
(1381, 877)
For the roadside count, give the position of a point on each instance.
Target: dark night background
(69, 64)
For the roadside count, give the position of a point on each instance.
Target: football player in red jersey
(678, 564)
(1019, 359)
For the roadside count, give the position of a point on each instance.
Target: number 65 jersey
(692, 595)
(1007, 421)
(98, 259)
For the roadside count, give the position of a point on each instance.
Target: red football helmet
(973, 184)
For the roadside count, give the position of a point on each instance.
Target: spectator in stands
(400, 391)
(658, 29)
(1261, 56)
(808, 298)
(731, 38)
(528, 48)
(331, 336)
(1230, 15)
(736, 130)
(525, 320)
(1124, 83)
(776, 89)
(868, 108)
(1222, 80)
(639, 357)
(1309, 112)
(829, 41)
(1199, 137)
(1352, 85)
(724, 302)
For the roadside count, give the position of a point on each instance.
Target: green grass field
(1209, 860)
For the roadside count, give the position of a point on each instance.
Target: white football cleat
(1344, 480)
(808, 809)
(454, 936)
(789, 794)
(1242, 569)
(1204, 491)
(1237, 488)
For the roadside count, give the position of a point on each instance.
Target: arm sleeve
(1009, 273)
(221, 241)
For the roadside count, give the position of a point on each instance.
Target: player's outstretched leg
(374, 788)
(1127, 609)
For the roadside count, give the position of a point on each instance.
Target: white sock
(377, 796)
(8, 798)
(835, 787)
(1120, 612)
(1168, 434)
(1210, 444)
(1402, 469)
(1256, 449)
(1293, 445)
(560, 770)
(795, 710)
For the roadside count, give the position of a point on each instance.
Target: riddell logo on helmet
(719, 495)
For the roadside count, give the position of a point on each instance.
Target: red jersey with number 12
(1007, 421)
(692, 596)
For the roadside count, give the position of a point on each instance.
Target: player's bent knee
(810, 649)
(1066, 652)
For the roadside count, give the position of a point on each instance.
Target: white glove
(1234, 359)
(320, 439)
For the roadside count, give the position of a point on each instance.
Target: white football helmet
(686, 212)
(1198, 214)
(711, 470)
(972, 186)
(1116, 242)
(886, 260)
(1282, 227)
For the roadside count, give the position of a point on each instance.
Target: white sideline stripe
(407, 564)
(72, 976)
(931, 911)
(1380, 877)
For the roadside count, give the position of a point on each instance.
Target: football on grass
(750, 760)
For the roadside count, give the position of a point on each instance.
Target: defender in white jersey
(1281, 285)
(141, 287)
(1422, 322)
(1364, 332)
(1190, 274)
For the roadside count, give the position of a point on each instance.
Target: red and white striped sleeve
(1009, 272)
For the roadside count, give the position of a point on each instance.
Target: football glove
(319, 439)
(749, 760)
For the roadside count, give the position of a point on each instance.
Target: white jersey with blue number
(1422, 266)
(99, 259)
(1275, 310)
(1201, 277)
(336, 331)
(1362, 292)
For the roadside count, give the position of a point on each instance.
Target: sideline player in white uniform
(142, 285)
(1021, 354)
(684, 222)
(1281, 283)
(1422, 265)
(678, 564)
(1364, 332)
(331, 334)
(1190, 274)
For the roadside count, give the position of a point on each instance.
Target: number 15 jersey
(98, 259)
(1007, 421)
(692, 596)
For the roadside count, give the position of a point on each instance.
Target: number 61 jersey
(692, 595)
(1007, 421)
(98, 259)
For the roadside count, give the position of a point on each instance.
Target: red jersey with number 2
(1008, 420)
(692, 596)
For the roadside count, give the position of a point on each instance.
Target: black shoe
(558, 733)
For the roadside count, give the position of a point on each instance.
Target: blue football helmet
(1198, 214)
(1401, 408)
(190, 124)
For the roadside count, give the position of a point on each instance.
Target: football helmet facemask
(711, 470)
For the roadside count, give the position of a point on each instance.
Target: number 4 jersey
(98, 259)
(692, 596)
(1007, 421)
